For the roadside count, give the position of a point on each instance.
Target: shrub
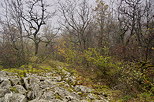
(69, 54)
(138, 78)
(106, 64)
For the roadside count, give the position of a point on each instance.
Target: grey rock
(48, 87)
(71, 80)
(43, 100)
(100, 101)
(82, 88)
(2, 99)
(61, 91)
(20, 89)
(75, 95)
(71, 99)
(3, 92)
(29, 95)
(56, 100)
(84, 101)
(66, 73)
(47, 83)
(91, 96)
(14, 97)
(34, 80)
(39, 100)
(56, 78)
(5, 84)
(3, 73)
(26, 82)
(2, 78)
(35, 92)
(15, 81)
(48, 95)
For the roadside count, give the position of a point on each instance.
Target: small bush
(108, 67)
(146, 97)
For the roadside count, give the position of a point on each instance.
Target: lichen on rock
(54, 86)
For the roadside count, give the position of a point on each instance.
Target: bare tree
(149, 33)
(102, 14)
(12, 28)
(130, 16)
(12, 22)
(135, 19)
(77, 17)
(34, 18)
(22, 20)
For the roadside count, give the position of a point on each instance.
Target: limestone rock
(82, 88)
(15, 81)
(20, 89)
(3, 92)
(34, 92)
(47, 87)
(48, 95)
(39, 100)
(3, 73)
(5, 84)
(14, 97)
(2, 99)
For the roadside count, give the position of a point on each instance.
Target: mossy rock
(14, 89)
(58, 96)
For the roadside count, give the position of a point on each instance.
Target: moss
(57, 96)
(18, 72)
(55, 64)
(31, 68)
(126, 98)
(49, 66)
(14, 89)
(70, 70)
(119, 100)
(146, 96)
(100, 89)
(1, 67)
(70, 90)
(82, 94)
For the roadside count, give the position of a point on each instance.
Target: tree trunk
(36, 48)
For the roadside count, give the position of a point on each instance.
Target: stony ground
(46, 87)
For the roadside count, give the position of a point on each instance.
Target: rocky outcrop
(47, 87)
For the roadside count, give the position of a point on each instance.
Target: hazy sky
(53, 22)
(92, 2)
